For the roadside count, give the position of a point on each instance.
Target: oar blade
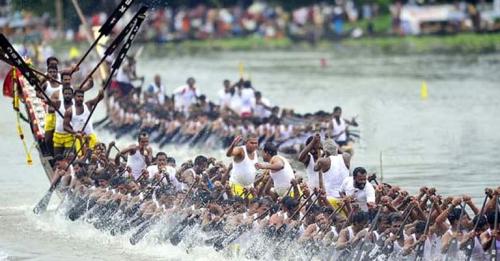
(42, 205)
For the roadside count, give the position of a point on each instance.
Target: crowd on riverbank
(261, 19)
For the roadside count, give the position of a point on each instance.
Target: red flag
(8, 82)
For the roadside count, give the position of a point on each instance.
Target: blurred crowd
(322, 20)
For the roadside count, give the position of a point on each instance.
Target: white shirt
(121, 76)
(247, 100)
(160, 90)
(224, 98)
(362, 196)
(185, 96)
(153, 171)
(260, 111)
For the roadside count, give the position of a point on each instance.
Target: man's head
(52, 71)
(482, 224)
(157, 80)
(67, 94)
(330, 148)
(359, 220)
(171, 162)
(337, 112)
(79, 97)
(252, 143)
(395, 220)
(51, 61)
(384, 223)
(200, 164)
(190, 82)
(227, 85)
(420, 228)
(359, 177)
(143, 140)
(270, 150)
(258, 95)
(161, 159)
(79, 169)
(66, 78)
(454, 216)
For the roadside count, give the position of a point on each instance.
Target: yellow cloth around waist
(92, 142)
(63, 140)
(336, 204)
(50, 122)
(238, 190)
(282, 192)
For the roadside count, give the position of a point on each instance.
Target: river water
(448, 141)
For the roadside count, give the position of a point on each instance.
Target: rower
(225, 95)
(335, 169)
(51, 87)
(190, 175)
(353, 233)
(339, 127)
(308, 156)
(262, 107)
(54, 92)
(139, 156)
(156, 91)
(279, 168)
(187, 94)
(125, 75)
(244, 159)
(62, 140)
(53, 62)
(359, 188)
(164, 171)
(76, 117)
(418, 237)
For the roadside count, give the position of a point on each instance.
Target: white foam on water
(84, 234)
(3, 255)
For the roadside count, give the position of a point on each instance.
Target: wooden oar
(406, 216)
(38, 72)
(472, 242)
(26, 71)
(116, 42)
(419, 255)
(363, 248)
(106, 28)
(302, 205)
(493, 248)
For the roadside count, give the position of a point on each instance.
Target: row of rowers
(196, 205)
(67, 121)
(325, 169)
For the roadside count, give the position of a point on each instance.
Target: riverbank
(460, 43)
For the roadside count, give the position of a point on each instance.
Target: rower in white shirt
(279, 168)
(156, 90)
(186, 95)
(359, 189)
(225, 95)
(164, 172)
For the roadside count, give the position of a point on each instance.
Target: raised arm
(93, 102)
(88, 85)
(232, 151)
(303, 155)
